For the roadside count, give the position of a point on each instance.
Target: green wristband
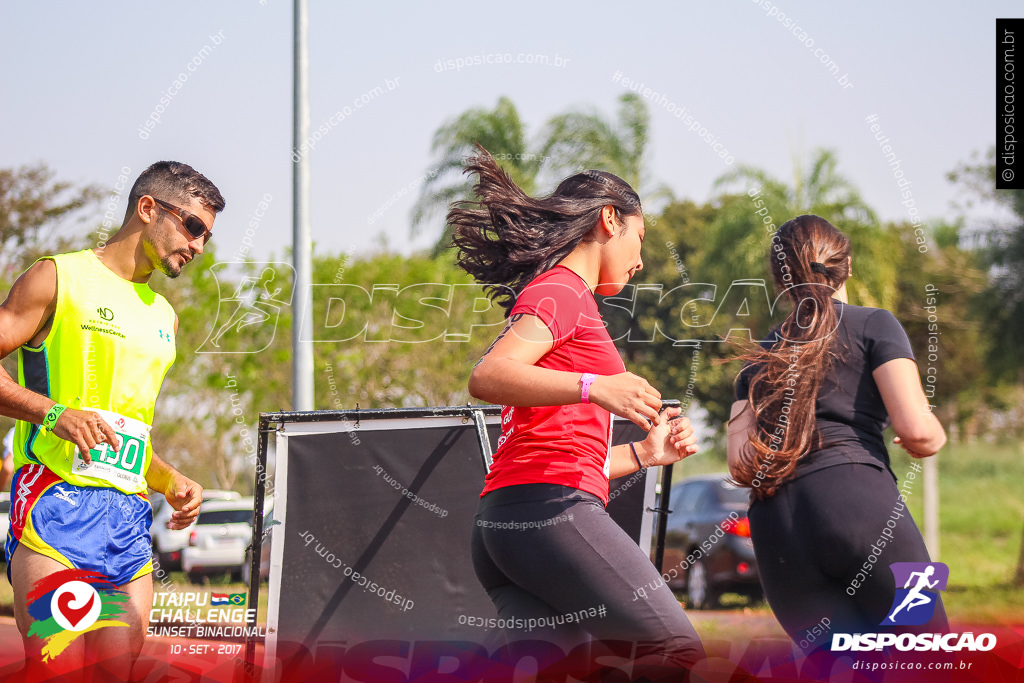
(51, 417)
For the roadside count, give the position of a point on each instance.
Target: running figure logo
(915, 602)
(247, 318)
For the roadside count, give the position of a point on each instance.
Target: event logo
(177, 614)
(71, 603)
(913, 605)
(915, 602)
(247, 317)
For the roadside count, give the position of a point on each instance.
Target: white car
(217, 540)
(168, 543)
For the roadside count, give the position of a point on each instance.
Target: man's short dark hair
(173, 181)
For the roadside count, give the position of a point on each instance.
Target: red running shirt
(565, 445)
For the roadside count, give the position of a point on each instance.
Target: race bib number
(123, 467)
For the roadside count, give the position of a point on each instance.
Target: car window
(688, 497)
(225, 517)
(733, 495)
(706, 499)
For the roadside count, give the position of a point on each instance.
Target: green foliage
(33, 210)
(570, 143)
(501, 132)
(585, 139)
(422, 332)
(1002, 248)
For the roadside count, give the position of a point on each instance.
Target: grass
(981, 518)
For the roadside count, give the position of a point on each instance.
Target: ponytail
(810, 263)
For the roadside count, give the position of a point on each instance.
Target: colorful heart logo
(76, 606)
(73, 615)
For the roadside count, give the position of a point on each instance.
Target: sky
(81, 80)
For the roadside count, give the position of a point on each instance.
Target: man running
(94, 342)
(914, 597)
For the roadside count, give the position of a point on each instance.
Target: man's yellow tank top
(110, 345)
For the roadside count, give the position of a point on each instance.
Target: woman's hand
(669, 441)
(913, 454)
(629, 396)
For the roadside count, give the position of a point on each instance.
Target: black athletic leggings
(544, 551)
(815, 535)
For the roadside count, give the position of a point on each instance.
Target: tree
(501, 132)
(1002, 247)
(398, 332)
(580, 140)
(572, 142)
(820, 190)
(1001, 305)
(35, 211)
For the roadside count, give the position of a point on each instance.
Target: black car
(708, 550)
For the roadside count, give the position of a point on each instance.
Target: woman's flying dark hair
(507, 238)
(809, 261)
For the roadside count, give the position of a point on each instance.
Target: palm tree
(739, 239)
(501, 132)
(579, 140)
(572, 142)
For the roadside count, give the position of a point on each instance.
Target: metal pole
(259, 491)
(302, 246)
(931, 506)
(663, 510)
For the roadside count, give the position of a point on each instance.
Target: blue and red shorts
(82, 527)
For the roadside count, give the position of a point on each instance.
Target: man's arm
(25, 317)
(183, 494)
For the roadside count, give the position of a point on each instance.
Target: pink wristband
(587, 379)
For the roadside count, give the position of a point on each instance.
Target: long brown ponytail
(507, 238)
(809, 261)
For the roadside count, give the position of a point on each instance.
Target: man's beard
(171, 270)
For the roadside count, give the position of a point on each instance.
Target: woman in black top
(827, 518)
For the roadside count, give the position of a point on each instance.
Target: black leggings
(543, 551)
(814, 537)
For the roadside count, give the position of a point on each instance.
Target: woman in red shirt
(555, 564)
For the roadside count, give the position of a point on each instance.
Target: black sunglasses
(192, 223)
